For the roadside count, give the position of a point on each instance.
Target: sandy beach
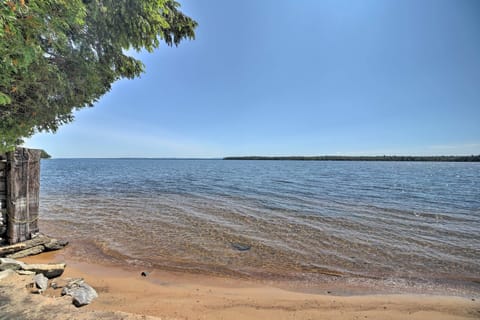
(240, 160)
(125, 294)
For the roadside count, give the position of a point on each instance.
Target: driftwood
(31, 247)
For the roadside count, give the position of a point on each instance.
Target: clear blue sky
(289, 77)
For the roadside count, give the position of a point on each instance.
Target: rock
(4, 250)
(81, 293)
(144, 273)
(12, 264)
(60, 283)
(241, 246)
(27, 252)
(50, 270)
(39, 240)
(6, 273)
(25, 273)
(41, 282)
(55, 244)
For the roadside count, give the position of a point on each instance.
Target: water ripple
(301, 219)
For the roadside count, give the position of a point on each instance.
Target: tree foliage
(44, 155)
(60, 55)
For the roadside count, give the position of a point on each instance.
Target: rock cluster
(81, 293)
(49, 270)
(38, 244)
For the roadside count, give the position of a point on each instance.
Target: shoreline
(175, 295)
(384, 158)
(85, 253)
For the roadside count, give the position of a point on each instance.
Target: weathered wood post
(23, 193)
(3, 198)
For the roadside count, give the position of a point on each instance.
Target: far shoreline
(471, 158)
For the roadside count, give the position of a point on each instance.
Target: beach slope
(125, 294)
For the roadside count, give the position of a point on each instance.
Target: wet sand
(124, 293)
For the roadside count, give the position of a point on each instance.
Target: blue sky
(290, 77)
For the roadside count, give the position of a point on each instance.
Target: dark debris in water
(240, 246)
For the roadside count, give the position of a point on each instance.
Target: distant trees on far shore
(472, 158)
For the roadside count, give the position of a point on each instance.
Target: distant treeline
(45, 155)
(365, 158)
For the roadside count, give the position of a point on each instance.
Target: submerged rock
(81, 293)
(55, 244)
(240, 246)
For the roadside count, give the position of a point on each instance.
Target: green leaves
(57, 55)
(4, 99)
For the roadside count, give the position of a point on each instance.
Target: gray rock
(34, 242)
(12, 264)
(50, 270)
(81, 293)
(41, 282)
(27, 252)
(55, 244)
(64, 282)
(6, 273)
(240, 246)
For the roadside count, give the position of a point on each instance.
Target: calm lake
(312, 221)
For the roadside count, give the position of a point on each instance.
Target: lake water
(312, 221)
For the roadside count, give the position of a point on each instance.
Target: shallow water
(406, 221)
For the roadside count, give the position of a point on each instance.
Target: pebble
(241, 246)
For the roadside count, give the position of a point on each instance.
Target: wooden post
(3, 198)
(23, 188)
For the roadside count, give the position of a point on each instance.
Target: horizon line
(274, 156)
